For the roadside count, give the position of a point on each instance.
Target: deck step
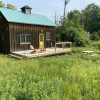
(15, 56)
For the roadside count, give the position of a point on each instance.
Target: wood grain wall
(15, 30)
(4, 30)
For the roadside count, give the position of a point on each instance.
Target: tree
(78, 37)
(74, 18)
(74, 35)
(71, 30)
(2, 4)
(65, 4)
(95, 36)
(9, 6)
(91, 18)
(56, 18)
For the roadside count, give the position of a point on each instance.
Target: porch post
(55, 46)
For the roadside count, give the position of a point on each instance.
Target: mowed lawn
(72, 77)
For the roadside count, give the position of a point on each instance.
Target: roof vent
(26, 9)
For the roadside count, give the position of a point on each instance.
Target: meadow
(72, 76)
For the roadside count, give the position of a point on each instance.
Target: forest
(80, 27)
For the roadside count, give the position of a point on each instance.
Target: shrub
(95, 36)
(78, 37)
(99, 33)
(96, 44)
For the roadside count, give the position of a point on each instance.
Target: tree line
(8, 6)
(80, 27)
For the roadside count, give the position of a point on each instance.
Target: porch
(60, 48)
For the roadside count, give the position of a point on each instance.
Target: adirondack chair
(42, 49)
(33, 49)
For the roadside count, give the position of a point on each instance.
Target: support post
(55, 46)
(70, 45)
(63, 46)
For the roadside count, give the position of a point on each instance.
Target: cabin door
(41, 40)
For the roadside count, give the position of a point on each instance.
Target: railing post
(63, 46)
(55, 46)
(70, 45)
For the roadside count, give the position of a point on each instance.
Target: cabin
(20, 29)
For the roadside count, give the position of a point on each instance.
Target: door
(41, 40)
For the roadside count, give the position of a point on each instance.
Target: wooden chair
(33, 49)
(42, 49)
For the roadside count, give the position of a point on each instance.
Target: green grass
(73, 77)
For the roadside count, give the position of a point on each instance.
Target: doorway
(41, 40)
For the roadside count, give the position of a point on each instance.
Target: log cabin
(20, 29)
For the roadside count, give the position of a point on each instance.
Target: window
(41, 37)
(47, 35)
(28, 38)
(28, 11)
(25, 38)
(22, 38)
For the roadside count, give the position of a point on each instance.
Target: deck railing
(62, 44)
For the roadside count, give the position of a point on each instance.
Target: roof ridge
(20, 17)
(32, 14)
(22, 12)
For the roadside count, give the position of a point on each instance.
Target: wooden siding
(4, 35)
(15, 30)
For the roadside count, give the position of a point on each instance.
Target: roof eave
(33, 24)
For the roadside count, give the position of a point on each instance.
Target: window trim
(25, 39)
(28, 11)
(49, 35)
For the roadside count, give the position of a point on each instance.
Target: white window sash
(25, 39)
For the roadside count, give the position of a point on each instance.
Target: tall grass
(73, 77)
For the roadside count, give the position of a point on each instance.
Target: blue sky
(47, 7)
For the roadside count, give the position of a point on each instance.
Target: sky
(49, 7)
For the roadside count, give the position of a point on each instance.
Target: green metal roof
(20, 17)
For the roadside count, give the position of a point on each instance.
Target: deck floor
(48, 52)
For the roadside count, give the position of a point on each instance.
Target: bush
(96, 44)
(95, 36)
(99, 33)
(79, 38)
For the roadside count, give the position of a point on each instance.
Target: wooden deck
(48, 52)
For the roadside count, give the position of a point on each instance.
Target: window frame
(25, 39)
(49, 36)
(28, 11)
